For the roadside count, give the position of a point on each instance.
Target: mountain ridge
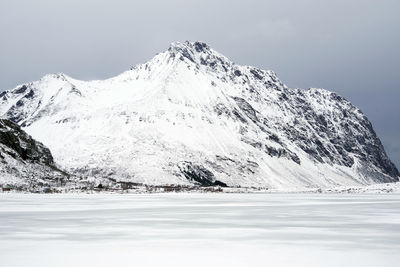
(191, 110)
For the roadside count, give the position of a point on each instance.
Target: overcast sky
(350, 47)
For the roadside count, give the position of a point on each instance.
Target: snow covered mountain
(26, 164)
(191, 116)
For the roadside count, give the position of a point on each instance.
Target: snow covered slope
(25, 164)
(190, 115)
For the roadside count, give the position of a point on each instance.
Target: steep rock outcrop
(25, 163)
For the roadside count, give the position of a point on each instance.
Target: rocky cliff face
(25, 164)
(191, 116)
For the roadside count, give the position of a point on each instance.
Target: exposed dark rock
(27, 160)
(237, 73)
(274, 138)
(236, 113)
(295, 158)
(221, 109)
(12, 136)
(19, 103)
(20, 90)
(246, 108)
(200, 47)
(199, 174)
(256, 74)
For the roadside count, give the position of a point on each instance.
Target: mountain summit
(191, 116)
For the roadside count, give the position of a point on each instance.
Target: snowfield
(200, 230)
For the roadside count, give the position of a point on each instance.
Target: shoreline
(384, 188)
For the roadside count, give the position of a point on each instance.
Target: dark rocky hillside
(25, 163)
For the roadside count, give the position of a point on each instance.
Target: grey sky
(351, 47)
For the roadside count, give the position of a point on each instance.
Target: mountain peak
(197, 52)
(198, 47)
(55, 76)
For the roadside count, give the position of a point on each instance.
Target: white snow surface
(310, 230)
(143, 124)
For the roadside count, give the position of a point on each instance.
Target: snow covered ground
(200, 229)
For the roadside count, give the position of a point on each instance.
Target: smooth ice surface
(200, 230)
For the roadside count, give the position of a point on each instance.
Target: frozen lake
(200, 230)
